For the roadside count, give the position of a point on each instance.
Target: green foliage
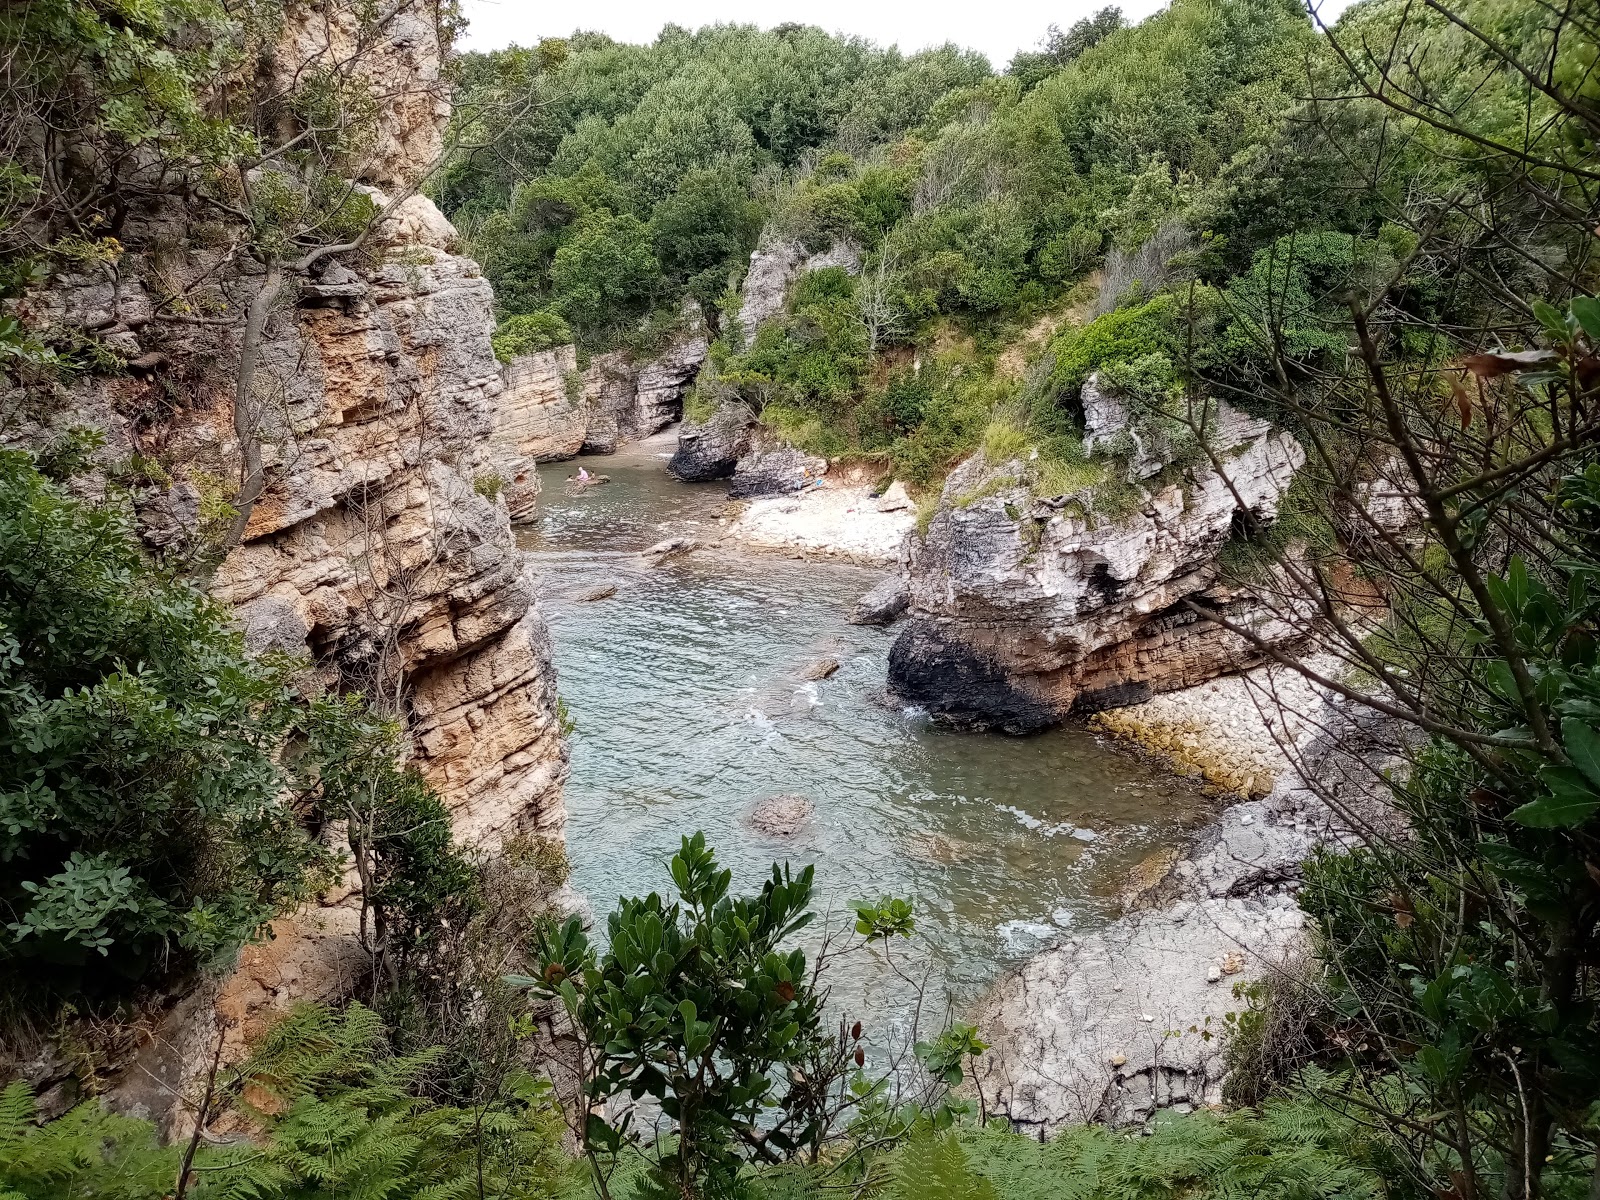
(86, 1152)
(342, 1117)
(604, 271)
(142, 816)
(703, 231)
(696, 1004)
(528, 333)
(1060, 50)
(1124, 335)
(415, 881)
(934, 1167)
(814, 359)
(337, 1115)
(1293, 300)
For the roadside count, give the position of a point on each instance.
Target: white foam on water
(1027, 820)
(1024, 936)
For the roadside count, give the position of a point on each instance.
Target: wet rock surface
(780, 816)
(711, 449)
(883, 604)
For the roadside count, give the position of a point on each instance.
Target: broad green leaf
(1571, 801)
(1583, 747)
(1550, 317)
(1587, 310)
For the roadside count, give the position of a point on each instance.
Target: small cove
(688, 692)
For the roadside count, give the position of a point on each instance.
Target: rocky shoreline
(1118, 1022)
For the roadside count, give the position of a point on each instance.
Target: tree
(1059, 50)
(695, 1004)
(142, 812)
(1462, 479)
(604, 272)
(704, 232)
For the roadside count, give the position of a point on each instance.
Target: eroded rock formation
(1025, 607)
(381, 547)
(1114, 1024)
(550, 410)
(773, 269)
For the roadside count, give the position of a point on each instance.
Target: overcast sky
(998, 28)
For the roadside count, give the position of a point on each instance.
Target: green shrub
(528, 333)
(604, 273)
(142, 813)
(1123, 335)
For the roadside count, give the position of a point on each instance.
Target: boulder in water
(604, 592)
(662, 551)
(711, 449)
(820, 669)
(885, 602)
(783, 815)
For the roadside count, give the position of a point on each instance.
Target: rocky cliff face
(550, 410)
(1025, 607)
(382, 546)
(773, 269)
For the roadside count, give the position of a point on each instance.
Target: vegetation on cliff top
(1382, 237)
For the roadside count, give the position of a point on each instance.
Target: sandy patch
(842, 520)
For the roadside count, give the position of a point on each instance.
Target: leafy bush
(142, 814)
(604, 271)
(1124, 335)
(528, 333)
(695, 1004)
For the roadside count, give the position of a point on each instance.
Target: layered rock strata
(550, 410)
(1025, 607)
(381, 547)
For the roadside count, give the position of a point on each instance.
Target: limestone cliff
(381, 547)
(551, 410)
(1025, 607)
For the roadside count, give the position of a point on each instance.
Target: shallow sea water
(688, 694)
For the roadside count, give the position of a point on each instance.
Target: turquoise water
(688, 694)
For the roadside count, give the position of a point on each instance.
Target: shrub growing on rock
(143, 822)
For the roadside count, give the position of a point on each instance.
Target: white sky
(998, 28)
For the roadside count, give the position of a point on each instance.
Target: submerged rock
(783, 815)
(821, 669)
(603, 592)
(711, 449)
(670, 548)
(883, 604)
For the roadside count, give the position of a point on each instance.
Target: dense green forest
(1381, 236)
